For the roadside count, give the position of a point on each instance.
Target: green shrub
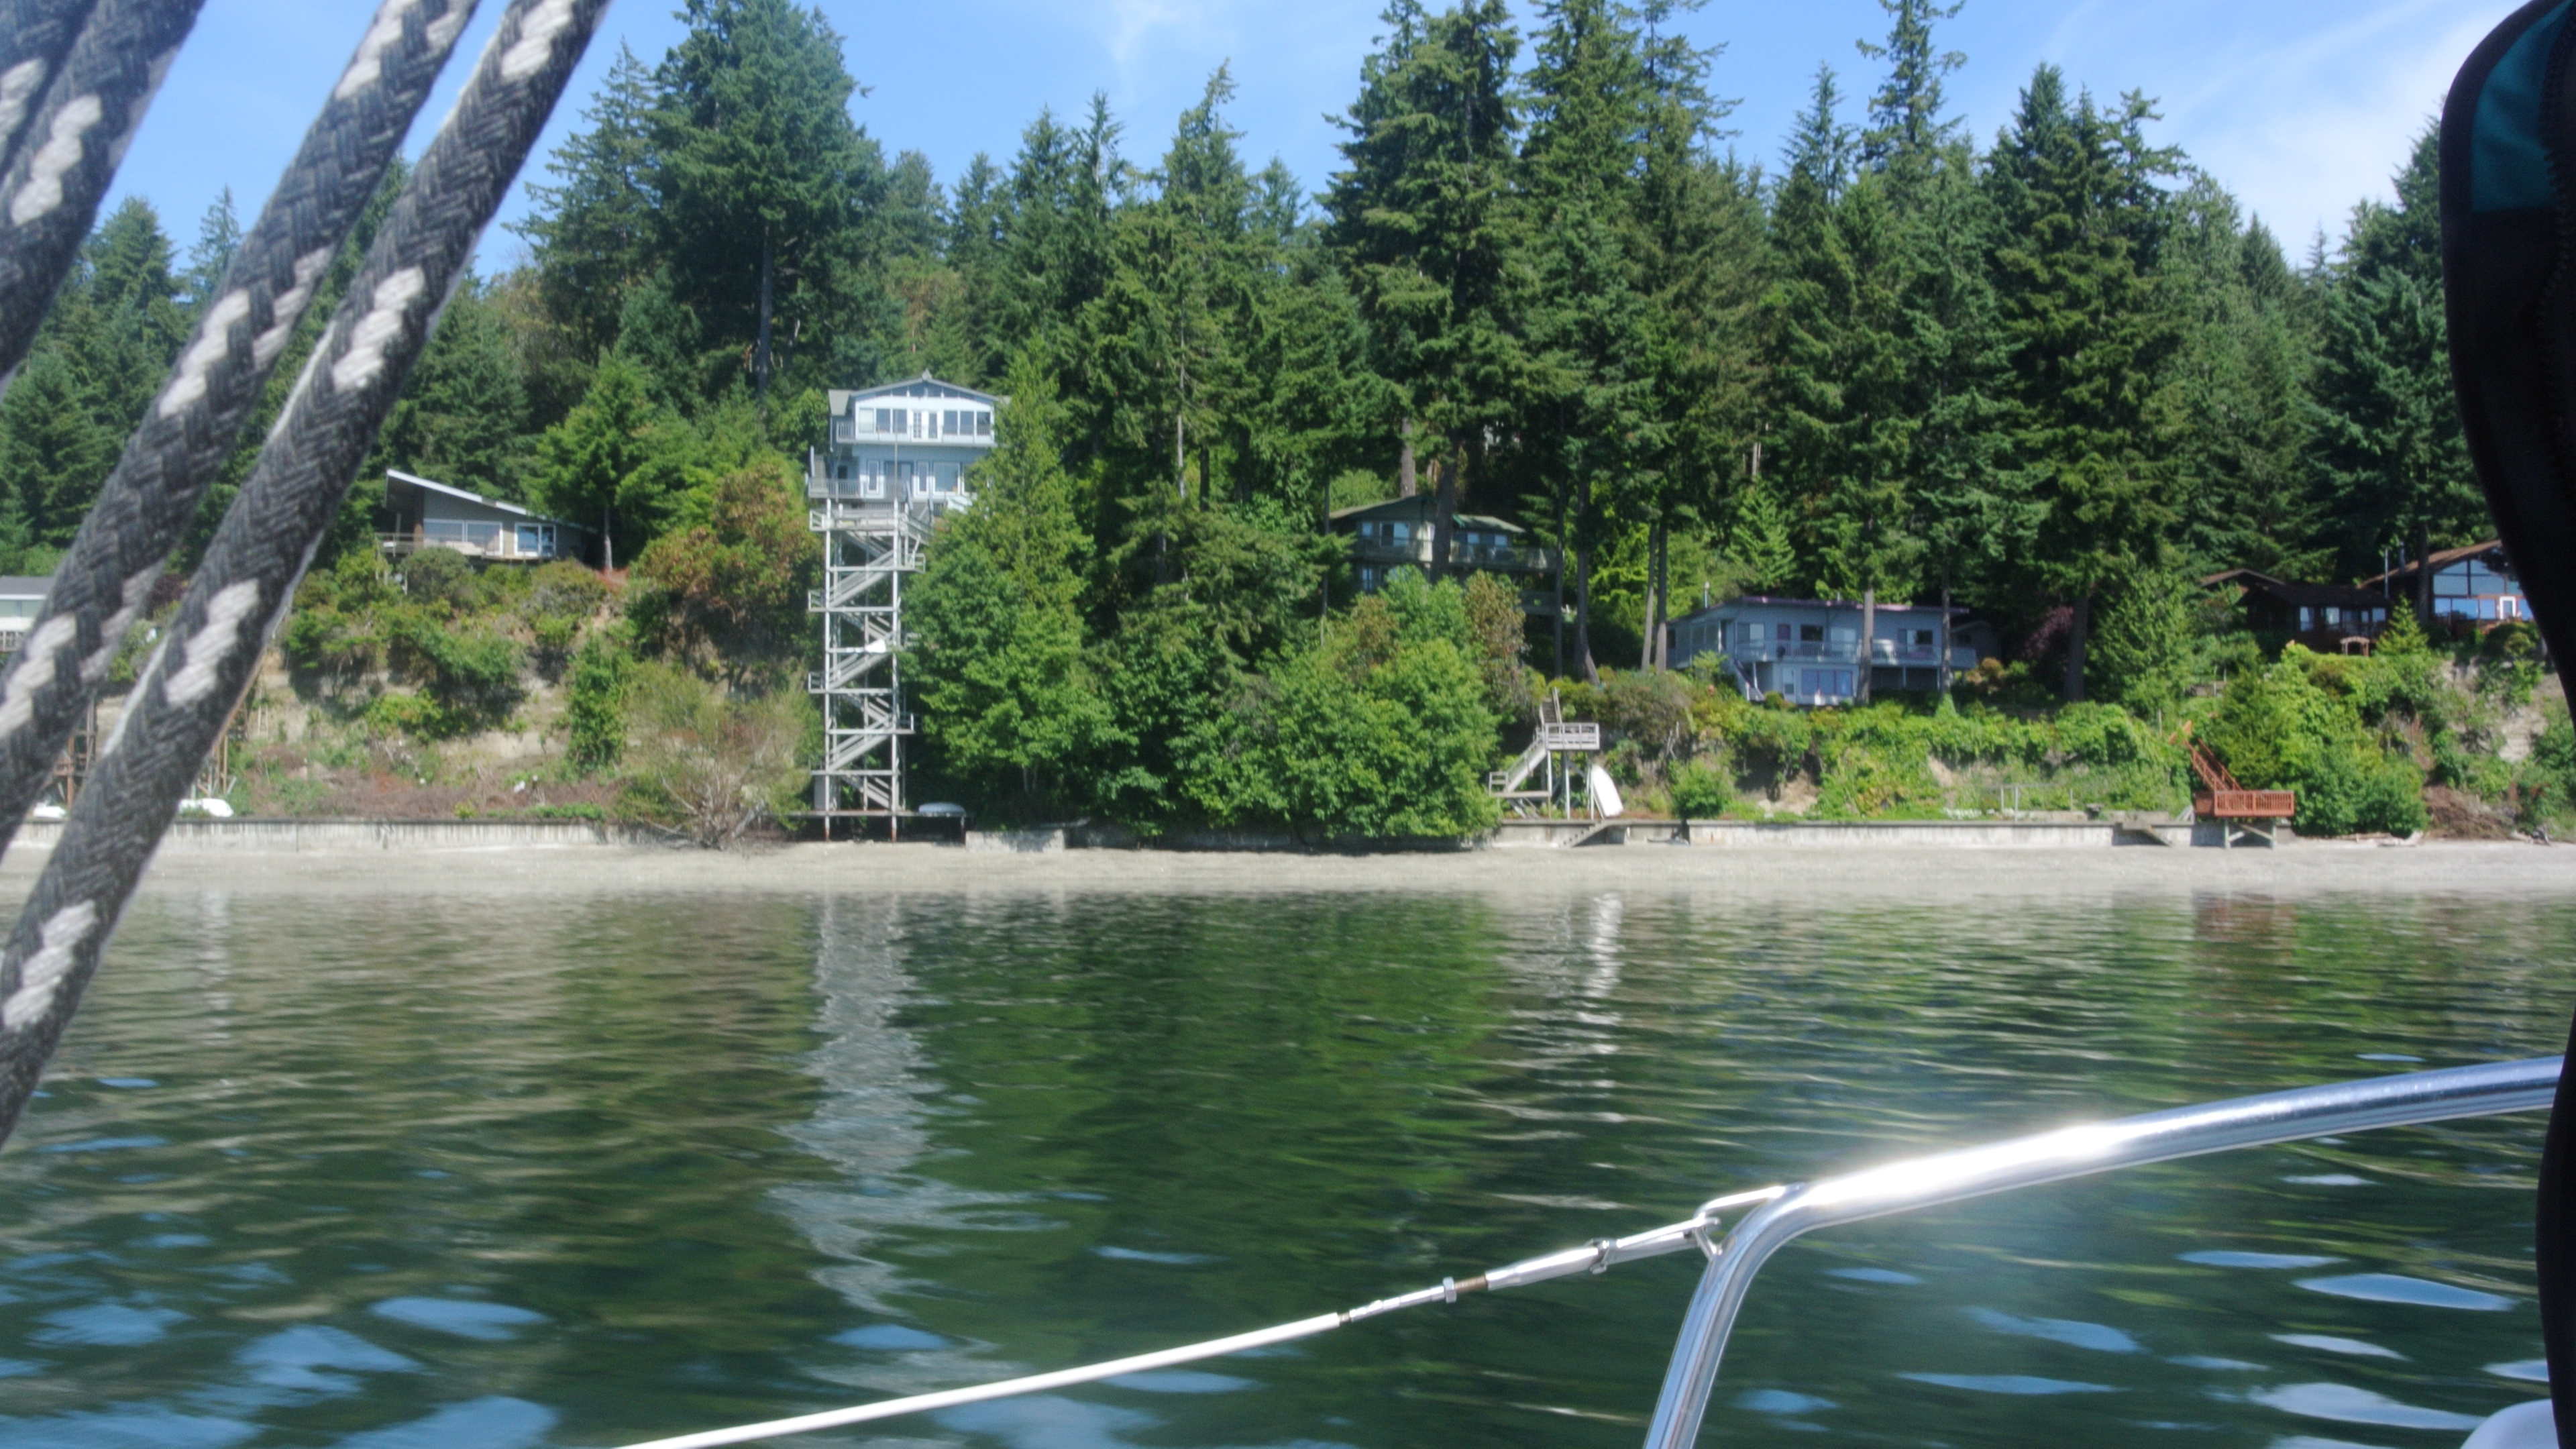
(595, 706)
(439, 576)
(1700, 790)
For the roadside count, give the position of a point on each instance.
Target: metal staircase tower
(869, 547)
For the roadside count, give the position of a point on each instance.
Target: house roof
(21, 586)
(452, 491)
(924, 386)
(2299, 596)
(1420, 505)
(2444, 558)
(1854, 605)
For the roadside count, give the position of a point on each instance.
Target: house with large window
(2328, 618)
(1808, 651)
(424, 513)
(2473, 585)
(1398, 534)
(910, 442)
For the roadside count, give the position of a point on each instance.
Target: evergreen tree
(591, 229)
(219, 235)
(1906, 128)
(462, 417)
(761, 178)
(1423, 220)
(1589, 391)
(1702, 268)
(1006, 683)
(592, 465)
(1839, 377)
(2078, 222)
(2388, 451)
(53, 452)
(2241, 373)
(1162, 333)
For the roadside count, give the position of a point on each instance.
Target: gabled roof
(924, 386)
(1420, 505)
(452, 491)
(1853, 605)
(2444, 558)
(2299, 596)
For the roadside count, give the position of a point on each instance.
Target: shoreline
(1787, 872)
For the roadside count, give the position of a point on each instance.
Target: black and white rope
(50, 193)
(153, 493)
(35, 35)
(189, 686)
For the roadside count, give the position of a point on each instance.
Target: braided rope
(35, 35)
(50, 194)
(153, 494)
(266, 541)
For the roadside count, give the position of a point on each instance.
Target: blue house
(1808, 650)
(908, 442)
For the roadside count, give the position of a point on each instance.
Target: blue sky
(2301, 107)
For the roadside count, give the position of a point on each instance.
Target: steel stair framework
(868, 549)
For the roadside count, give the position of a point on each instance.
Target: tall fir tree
(2388, 453)
(1422, 217)
(2079, 219)
(761, 179)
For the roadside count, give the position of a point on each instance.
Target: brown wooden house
(2327, 618)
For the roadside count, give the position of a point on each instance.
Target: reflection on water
(374, 1174)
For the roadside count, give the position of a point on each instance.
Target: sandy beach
(1785, 871)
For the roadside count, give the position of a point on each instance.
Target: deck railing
(2410, 1099)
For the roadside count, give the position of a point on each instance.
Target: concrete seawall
(292, 836)
(337, 835)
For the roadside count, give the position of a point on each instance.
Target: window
(1751, 635)
(1807, 633)
(1783, 634)
(1843, 634)
(1919, 638)
(983, 424)
(948, 424)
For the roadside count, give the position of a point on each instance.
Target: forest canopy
(2049, 374)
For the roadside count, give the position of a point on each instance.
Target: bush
(2281, 728)
(595, 707)
(706, 766)
(439, 576)
(1700, 790)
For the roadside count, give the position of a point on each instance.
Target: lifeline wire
(50, 192)
(191, 427)
(189, 687)
(35, 35)
(1597, 1256)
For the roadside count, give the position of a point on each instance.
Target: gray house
(1396, 533)
(910, 442)
(424, 513)
(1808, 650)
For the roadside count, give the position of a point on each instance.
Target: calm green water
(455, 1172)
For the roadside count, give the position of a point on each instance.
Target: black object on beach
(2508, 162)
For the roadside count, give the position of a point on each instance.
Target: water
(511, 1172)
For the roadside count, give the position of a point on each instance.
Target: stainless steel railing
(1775, 1215)
(2054, 1157)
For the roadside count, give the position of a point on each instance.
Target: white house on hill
(1808, 650)
(908, 442)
